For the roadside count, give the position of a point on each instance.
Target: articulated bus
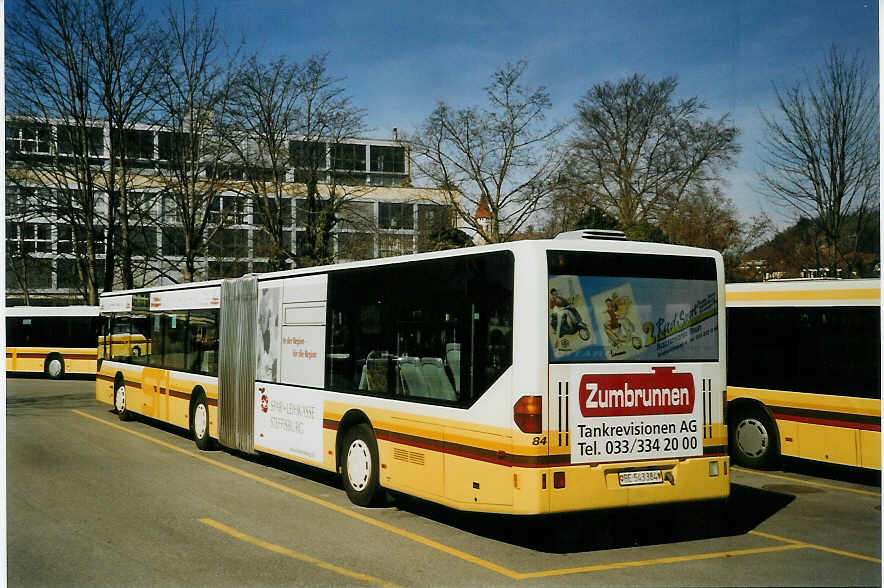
(526, 378)
(52, 340)
(804, 371)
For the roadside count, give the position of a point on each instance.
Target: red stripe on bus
(490, 455)
(827, 422)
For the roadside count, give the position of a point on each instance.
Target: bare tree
(192, 171)
(126, 69)
(822, 156)
(260, 122)
(499, 158)
(56, 142)
(323, 160)
(638, 152)
(706, 218)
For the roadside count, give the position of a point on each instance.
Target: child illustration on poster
(615, 311)
(569, 328)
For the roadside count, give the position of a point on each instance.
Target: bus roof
(859, 292)
(515, 246)
(35, 311)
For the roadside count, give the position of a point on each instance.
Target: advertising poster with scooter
(601, 318)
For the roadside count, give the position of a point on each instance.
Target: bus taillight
(528, 414)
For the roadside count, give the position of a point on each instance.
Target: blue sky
(401, 57)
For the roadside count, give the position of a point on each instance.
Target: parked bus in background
(52, 340)
(531, 377)
(804, 371)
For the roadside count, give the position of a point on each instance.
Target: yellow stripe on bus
(779, 296)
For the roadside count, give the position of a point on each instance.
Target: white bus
(53, 340)
(532, 377)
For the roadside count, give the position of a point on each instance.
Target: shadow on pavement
(829, 471)
(616, 528)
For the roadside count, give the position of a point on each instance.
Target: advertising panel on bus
(667, 329)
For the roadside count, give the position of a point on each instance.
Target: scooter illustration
(565, 319)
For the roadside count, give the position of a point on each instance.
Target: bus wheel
(120, 402)
(54, 367)
(753, 438)
(199, 423)
(360, 466)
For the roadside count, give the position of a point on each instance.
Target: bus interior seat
(413, 381)
(438, 383)
(452, 359)
(374, 374)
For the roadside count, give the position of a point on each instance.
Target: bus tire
(199, 422)
(754, 438)
(120, 401)
(360, 467)
(54, 366)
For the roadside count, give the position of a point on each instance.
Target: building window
(357, 216)
(303, 213)
(395, 215)
(355, 246)
(143, 241)
(394, 244)
(387, 159)
(435, 223)
(135, 144)
(28, 273)
(230, 243)
(270, 212)
(70, 139)
(348, 156)
(27, 138)
(176, 146)
(228, 210)
(227, 269)
(67, 275)
(29, 237)
(310, 154)
(65, 239)
(173, 241)
(263, 246)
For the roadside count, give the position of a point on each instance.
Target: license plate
(641, 477)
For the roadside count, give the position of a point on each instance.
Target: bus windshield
(605, 307)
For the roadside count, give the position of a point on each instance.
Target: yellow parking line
(815, 546)
(791, 544)
(657, 561)
(318, 501)
(295, 555)
(808, 482)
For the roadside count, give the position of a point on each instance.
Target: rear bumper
(586, 487)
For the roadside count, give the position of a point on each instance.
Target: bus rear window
(628, 307)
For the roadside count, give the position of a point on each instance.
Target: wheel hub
(752, 437)
(358, 465)
(121, 399)
(55, 368)
(200, 420)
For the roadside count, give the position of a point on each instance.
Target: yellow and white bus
(804, 371)
(532, 377)
(52, 340)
